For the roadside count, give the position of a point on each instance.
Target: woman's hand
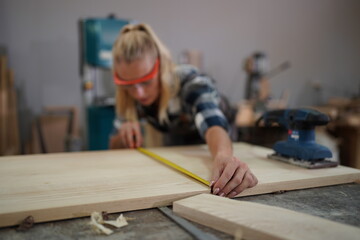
(130, 134)
(231, 176)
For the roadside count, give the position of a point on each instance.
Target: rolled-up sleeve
(203, 99)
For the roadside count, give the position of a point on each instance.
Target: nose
(139, 91)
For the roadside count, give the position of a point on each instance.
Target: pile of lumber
(9, 129)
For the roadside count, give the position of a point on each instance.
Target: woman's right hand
(130, 134)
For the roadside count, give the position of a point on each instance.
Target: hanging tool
(257, 90)
(300, 147)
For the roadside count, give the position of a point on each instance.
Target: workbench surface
(339, 203)
(52, 187)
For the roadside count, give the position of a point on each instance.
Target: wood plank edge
(303, 184)
(212, 221)
(85, 210)
(187, 209)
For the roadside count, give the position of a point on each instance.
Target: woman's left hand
(231, 176)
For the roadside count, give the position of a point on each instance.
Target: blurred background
(57, 92)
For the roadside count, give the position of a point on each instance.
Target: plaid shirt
(194, 108)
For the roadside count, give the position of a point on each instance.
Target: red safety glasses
(147, 77)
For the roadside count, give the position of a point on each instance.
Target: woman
(173, 99)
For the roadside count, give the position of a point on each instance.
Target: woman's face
(146, 92)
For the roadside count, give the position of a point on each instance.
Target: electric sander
(300, 147)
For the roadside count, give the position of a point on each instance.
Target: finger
(226, 175)
(256, 180)
(137, 134)
(123, 137)
(246, 183)
(217, 171)
(215, 175)
(129, 138)
(235, 181)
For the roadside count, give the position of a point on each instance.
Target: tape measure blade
(173, 165)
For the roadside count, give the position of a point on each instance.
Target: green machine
(97, 36)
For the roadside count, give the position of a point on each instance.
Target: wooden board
(259, 221)
(3, 105)
(53, 125)
(13, 138)
(9, 130)
(54, 121)
(273, 175)
(69, 185)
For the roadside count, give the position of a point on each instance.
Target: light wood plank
(68, 185)
(259, 221)
(3, 105)
(13, 138)
(273, 175)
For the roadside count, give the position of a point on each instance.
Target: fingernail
(222, 194)
(216, 190)
(232, 194)
(212, 183)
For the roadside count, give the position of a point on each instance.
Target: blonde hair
(134, 42)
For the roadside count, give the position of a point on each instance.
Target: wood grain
(273, 175)
(69, 185)
(259, 221)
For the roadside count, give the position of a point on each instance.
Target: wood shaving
(97, 222)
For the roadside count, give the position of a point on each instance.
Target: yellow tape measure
(173, 165)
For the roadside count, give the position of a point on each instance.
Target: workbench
(340, 203)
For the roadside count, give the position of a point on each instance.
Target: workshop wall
(320, 39)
